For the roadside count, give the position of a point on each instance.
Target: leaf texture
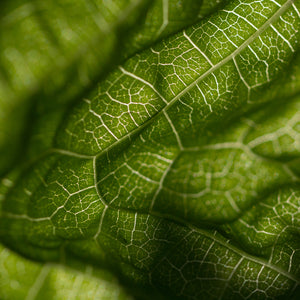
(180, 172)
(66, 55)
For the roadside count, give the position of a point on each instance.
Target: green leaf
(179, 173)
(66, 55)
(23, 279)
(42, 51)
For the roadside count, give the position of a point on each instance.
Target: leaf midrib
(245, 44)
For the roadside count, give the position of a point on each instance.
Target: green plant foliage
(177, 172)
(23, 279)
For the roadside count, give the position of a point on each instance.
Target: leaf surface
(180, 171)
